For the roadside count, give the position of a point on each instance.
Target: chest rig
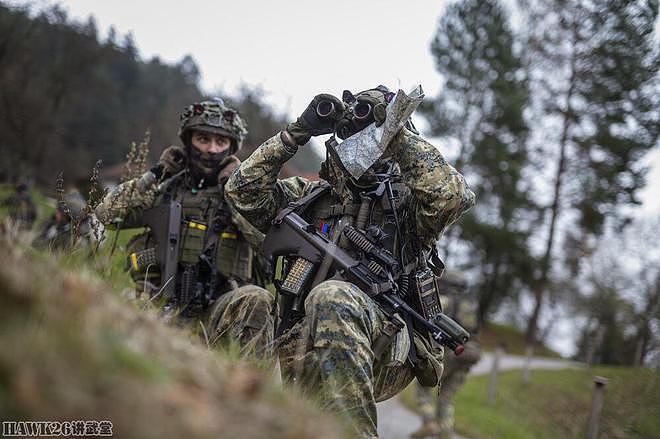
(212, 255)
(380, 223)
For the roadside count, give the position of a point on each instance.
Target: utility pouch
(235, 257)
(389, 334)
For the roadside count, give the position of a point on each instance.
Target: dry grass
(71, 349)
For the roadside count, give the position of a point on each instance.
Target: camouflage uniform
(238, 311)
(20, 207)
(438, 421)
(66, 227)
(330, 350)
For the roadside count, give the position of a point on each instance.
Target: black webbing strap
(314, 194)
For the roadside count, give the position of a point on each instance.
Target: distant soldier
(20, 207)
(59, 233)
(462, 307)
(212, 267)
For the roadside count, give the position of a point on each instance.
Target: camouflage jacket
(125, 205)
(439, 193)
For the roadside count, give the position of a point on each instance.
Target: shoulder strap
(303, 202)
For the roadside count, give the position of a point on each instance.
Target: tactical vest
(203, 212)
(376, 218)
(374, 215)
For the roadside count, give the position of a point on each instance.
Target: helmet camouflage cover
(215, 117)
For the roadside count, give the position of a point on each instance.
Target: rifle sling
(293, 206)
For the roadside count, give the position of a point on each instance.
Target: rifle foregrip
(452, 328)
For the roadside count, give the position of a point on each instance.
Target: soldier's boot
(428, 429)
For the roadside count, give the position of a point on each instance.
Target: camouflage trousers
(243, 317)
(454, 376)
(330, 354)
(240, 318)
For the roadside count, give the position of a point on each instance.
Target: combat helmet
(215, 117)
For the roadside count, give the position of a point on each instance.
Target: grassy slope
(512, 338)
(73, 350)
(555, 404)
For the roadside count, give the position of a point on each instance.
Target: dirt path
(395, 421)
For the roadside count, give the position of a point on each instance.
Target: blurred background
(550, 108)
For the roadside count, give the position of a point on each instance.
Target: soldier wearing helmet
(20, 207)
(216, 265)
(340, 343)
(67, 226)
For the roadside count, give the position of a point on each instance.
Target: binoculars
(327, 109)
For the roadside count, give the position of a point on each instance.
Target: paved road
(395, 421)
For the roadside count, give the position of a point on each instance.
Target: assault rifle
(198, 281)
(292, 237)
(165, 224)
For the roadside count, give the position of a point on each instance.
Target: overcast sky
(294, 49)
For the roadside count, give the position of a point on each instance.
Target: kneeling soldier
(196, 256)
(335, 336)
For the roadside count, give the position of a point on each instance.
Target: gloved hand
(311, 124)
(171, 161)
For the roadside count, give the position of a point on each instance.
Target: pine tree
(481, 106)
(593, 69)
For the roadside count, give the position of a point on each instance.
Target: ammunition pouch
(235, 256)
(192, 244)
(142, 263)
(429, 367)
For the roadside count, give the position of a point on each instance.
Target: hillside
(72, 349)
(555, 404)
(512, 339)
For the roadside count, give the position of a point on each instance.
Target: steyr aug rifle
(307, 250)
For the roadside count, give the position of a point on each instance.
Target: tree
(63, 93)
(594, 71)
(482, 107)
(618, 291)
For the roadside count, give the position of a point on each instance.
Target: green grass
(109, 264)
(513, 340)
(555, 404)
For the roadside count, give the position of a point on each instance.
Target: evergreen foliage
(594, 68)
(482, 106)
(69, 98)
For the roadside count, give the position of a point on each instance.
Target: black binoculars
(327, 109)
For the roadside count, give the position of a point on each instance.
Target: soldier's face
(210, 142)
